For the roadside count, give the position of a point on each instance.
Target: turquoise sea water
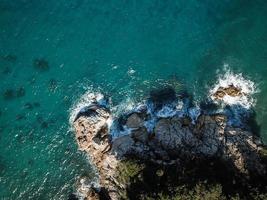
(51, 52)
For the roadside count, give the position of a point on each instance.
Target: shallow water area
(54, 52)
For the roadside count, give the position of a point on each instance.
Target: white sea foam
(115, 132)
(84, 185)
(131, 71)
(87, 99)
(248, 88)
(166, 111)
(194, 113)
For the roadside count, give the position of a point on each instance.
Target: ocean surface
(52, 52)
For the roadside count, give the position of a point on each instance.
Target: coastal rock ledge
(172, 141)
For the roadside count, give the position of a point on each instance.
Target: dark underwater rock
(28, 106)
(162, 96)
(9, 94)
(6, 70)
(41, 64)
(10, 58)
(20, 117)
(20, 92)
(36, 104)
(44, 124)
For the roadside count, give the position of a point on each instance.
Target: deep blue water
(51, 52)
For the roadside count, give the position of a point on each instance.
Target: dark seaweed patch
(28, 106)
(20, 117)
(39, 119)
(42, 122)
(36, 104)
(30, 162)
(9, 94)
(6, 70)
(2, 165)
(41, 64)
(9, 58)
(44, 125)
(20, 92)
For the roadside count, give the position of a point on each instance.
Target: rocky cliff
(172, 140)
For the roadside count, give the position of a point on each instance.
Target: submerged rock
(20, 92)
(9, 94)
(9, 57)
(41, 64)
(172, 140)
(6, 70)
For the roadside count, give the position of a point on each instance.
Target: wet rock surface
(172, 141)
(231, 91)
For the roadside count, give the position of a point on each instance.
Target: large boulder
(134, 121)
(231, 91)
(169, 134)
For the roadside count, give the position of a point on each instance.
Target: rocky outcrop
(231, 91)
(172, 139)
(92, 137)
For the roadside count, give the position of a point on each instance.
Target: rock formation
(231, 91)
(171, 139)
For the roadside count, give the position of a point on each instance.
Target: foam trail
(87, 99)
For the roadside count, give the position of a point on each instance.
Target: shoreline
(172, 140)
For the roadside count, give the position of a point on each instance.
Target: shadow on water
(252, 123)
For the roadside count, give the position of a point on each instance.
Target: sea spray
(87, 99)
(228, 78)
(237, 108)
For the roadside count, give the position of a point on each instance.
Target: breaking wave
(87, 99)
(228, 78)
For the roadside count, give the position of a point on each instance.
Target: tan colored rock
(93, 137)
(231, 90)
